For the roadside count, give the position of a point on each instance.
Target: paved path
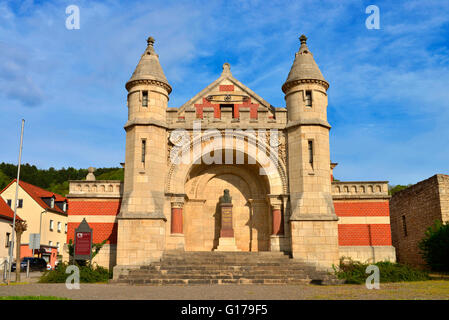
(412, 290)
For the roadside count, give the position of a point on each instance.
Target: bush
(435, 246)
(88, 274)
(354, 272)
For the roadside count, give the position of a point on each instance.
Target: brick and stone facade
(415, 209)
(274, 161)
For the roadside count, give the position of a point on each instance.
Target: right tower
(313, 222)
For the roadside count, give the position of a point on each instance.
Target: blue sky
(388, 96)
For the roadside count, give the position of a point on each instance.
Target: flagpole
(15, 206)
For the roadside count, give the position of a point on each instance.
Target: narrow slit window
(8, 235)
(311, 152)
(144, 98)
(308, 99)
(144, 150)
(404, 226)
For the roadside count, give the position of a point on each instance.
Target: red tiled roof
(38, 193)
(94, 207)
(6, 212)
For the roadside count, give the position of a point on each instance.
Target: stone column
(177, 204)
(277, 220)
(278, 241)
(176, 240)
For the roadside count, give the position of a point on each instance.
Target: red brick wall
(110, 207)
(360, 209)
(363, 234)
(227, 87)
(101, 231)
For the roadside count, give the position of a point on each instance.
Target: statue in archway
(226, 197)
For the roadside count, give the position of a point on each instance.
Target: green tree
(4, 180)
(54, 180)
(435, 246)
(395, 188)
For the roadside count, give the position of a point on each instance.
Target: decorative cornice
(288, 85)
(360, 196)
(145, 122)
(164, 85)
(308, 122)
(141, 216)
(313, 217)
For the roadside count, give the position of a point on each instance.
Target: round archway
(251, 219)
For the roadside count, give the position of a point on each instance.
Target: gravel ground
(412, 290)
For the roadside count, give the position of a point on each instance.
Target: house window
(59, 226)
(64, 206)
(404, 226)
(58, 245)
(144, 150)
(19, 203)
(51, 225)
(144, 98)
(65, 228)
(52, 203)
(9, 201)
(7, 239)
(50, 243)
(308, 99)
(310, 152)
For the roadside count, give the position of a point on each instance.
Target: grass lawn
(419, 290)
(32, 298)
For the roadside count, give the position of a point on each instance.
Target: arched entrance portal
(251, 215)
(258, 188)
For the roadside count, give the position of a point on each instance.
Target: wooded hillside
(54, 180)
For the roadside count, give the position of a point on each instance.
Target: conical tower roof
(149, 68)
(304, 67)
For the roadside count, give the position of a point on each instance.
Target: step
(213, 276)
(210, 281)
(186, 268)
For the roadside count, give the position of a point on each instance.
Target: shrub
(88, 274)
(435, 246)
(354, 272)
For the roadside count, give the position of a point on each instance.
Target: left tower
(141, 221)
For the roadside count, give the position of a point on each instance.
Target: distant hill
(54, 180)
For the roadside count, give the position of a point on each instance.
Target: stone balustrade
(264, 118)
(95, 188)
(357, 189)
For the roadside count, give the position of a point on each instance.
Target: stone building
(274, 161)
(415, 209)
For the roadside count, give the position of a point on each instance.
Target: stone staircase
(185, 268)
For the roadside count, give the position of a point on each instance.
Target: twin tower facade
(272, 163)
